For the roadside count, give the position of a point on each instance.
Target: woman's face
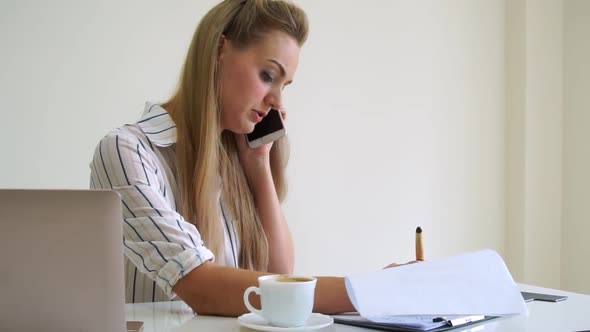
(253, 79)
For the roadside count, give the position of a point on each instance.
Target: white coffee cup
(286, 301)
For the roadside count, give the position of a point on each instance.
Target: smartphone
(542, 297)
(270, 129)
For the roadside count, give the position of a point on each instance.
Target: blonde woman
(202, 212)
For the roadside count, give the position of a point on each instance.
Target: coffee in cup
(286, 301)
(293, 279)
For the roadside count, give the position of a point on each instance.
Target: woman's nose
(273, 100)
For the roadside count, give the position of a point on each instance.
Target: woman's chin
(243, 130)
(248, 128)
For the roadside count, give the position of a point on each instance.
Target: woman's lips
(258, 115)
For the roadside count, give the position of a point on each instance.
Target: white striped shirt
(138, 161)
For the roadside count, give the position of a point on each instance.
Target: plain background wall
(543, 136)
(515, 69)
(576, 152)
(534, 111)
(399, 123)
(546, 131)
(397, 115)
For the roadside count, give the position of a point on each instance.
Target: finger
(283, 114)
(391, 265)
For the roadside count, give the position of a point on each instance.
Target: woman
(201, 211)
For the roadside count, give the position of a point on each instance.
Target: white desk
(572, 314)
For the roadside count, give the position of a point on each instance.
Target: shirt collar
(157, 125)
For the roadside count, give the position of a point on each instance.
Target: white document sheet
(475, 283)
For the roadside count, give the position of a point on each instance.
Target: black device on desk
(395, 328)
(528, 296)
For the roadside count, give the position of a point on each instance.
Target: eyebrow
(283, 73)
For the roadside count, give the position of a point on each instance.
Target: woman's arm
(212, 289)
(280, 241)
(256, 165)
(159, 242)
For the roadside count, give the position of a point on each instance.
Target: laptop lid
(62, 261)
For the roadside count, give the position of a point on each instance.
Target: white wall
(515, 69)
(576, 155)
(543, 135)
(547, 130)
(396, 115)
(72, 69)
(422, 85)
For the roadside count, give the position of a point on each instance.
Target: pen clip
(459, 320)
(465, 320)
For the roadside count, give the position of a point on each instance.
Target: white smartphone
(270, 129)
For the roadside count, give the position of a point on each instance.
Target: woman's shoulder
(123, 141)
(134, 135)
(128, 133)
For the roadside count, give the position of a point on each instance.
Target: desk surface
(572, 314)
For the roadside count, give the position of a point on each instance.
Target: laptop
(61, 256)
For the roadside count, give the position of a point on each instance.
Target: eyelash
(266, 77)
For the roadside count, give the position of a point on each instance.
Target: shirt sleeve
(156, 239)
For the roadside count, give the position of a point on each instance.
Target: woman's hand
(256, 165)
(397, 265)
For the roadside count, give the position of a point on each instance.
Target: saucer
(255, 322)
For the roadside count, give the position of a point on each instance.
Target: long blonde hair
(203, 153)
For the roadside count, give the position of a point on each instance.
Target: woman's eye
(266, 77)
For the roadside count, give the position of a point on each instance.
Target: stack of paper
(423, 323)
(470, 284)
